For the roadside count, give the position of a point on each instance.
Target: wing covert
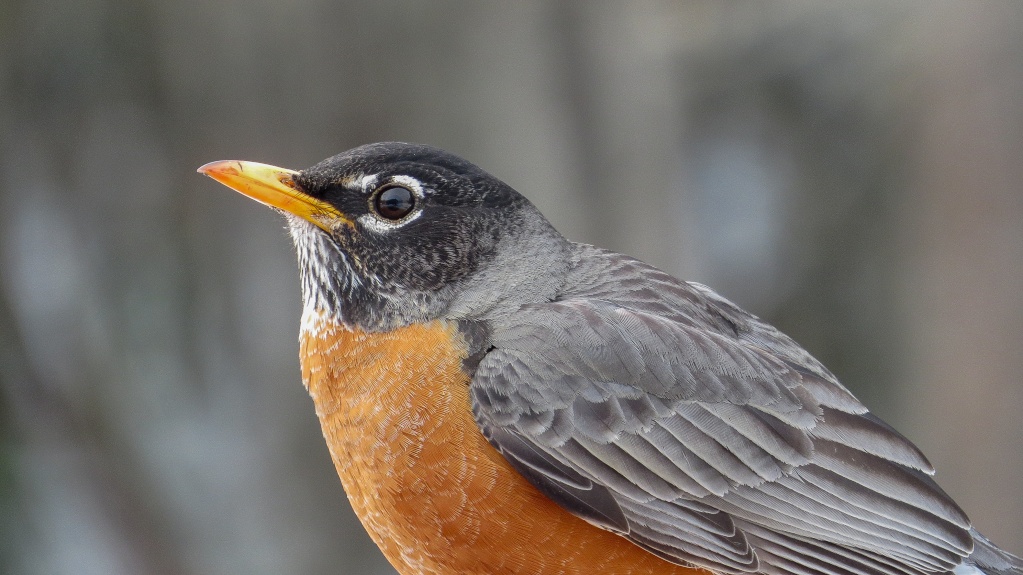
(708, 449)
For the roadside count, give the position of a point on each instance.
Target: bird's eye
(394, 202)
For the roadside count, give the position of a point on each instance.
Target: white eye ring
(376, 221)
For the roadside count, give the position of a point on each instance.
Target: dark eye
(394, 202)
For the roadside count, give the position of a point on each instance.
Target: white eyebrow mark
(368, 181)
(411, 183)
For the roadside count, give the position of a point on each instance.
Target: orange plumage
(433, 494)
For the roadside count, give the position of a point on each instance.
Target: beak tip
(228, 167)
(205, 168)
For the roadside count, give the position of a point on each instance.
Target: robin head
(392, 234)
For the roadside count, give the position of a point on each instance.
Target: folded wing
(708, 448)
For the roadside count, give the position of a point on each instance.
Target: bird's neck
(334, 286)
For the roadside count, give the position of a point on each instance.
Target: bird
(498, 399)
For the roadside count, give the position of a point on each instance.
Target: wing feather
(709, 439)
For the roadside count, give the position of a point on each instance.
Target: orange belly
(433, 494)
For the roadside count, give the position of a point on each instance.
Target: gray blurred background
(851, 172)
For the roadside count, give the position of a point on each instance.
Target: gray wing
(737, 454)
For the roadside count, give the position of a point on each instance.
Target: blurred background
(853, 172)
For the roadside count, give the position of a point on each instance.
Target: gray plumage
(721, 442)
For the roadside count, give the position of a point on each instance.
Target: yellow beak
(274, 187)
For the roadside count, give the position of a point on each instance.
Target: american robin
(498, 399)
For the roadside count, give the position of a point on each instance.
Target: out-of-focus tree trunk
(963, 241)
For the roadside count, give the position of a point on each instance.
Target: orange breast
(433, 494)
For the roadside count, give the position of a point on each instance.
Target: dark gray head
(391, 234)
